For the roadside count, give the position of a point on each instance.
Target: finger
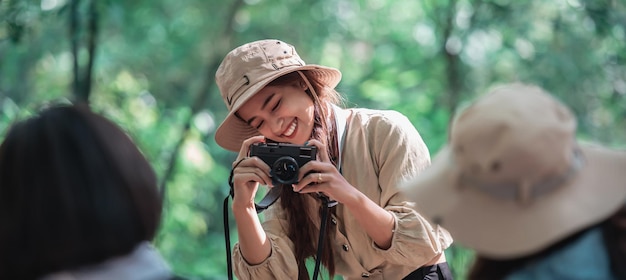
(254, 162)
(256, 175)
(258, 163)
(311, 188)
(316, 189)
(315, 167)
(244, 178)
(322, 153)
(319, 178)
(245, 146)
(245, 186)
(308, 168)
(267, 180)
(255, 166)
(313, 178)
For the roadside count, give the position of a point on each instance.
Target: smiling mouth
(291, 129)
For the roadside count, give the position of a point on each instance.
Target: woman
(363, 155)
(514, 185)
(78, 200)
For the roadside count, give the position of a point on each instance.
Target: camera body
(284, 159)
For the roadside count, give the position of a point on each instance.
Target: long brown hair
(614, 233)
(302, 230)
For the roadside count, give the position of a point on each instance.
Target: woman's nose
(276, 125)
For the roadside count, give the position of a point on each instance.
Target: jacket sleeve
(401, 154)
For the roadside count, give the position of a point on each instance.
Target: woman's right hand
(248, 173)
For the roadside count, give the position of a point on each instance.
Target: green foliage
(155, 62)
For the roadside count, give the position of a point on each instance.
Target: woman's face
(281, 113)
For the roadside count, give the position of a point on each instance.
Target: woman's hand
(248, 173)
(321, 176)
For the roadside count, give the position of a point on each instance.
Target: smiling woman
(362, 157)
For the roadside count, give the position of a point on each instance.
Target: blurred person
(78, 200)
(273, 96)
(515, 185)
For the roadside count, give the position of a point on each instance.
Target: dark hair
(614, 230)
(302, 230)
(614, 233)
(74, 191)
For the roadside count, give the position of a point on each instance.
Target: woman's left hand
(321, 176)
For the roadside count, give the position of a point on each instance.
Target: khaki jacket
(382, 149)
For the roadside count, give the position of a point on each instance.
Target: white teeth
(291, 129)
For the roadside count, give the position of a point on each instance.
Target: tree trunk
(223, 45)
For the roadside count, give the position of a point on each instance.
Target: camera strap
(341, 121)
(269, 199)
(231, 193)
(320, 240)
(227, 237)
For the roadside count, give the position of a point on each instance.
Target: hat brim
(233, 131)
(502, 229)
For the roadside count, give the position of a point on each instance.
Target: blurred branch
(222, 45)
(74, 45)
(91, 48)
(81, 84)
(453, 83)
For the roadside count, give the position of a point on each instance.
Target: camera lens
(285, 170)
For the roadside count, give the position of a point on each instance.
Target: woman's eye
(276, 106)
(258, 126)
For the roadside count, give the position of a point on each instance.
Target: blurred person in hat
(363, 156)
(515, 185)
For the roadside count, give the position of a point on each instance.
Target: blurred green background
(149, 65)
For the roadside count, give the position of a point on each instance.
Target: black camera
(284, 159)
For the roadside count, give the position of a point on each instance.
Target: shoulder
(385, 123)
(365, 113)
(389, 119)
(386, 130)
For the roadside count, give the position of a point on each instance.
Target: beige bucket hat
(246, 70)
(513, 180)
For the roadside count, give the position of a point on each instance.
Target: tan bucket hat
(513, 179)
(246, 70)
